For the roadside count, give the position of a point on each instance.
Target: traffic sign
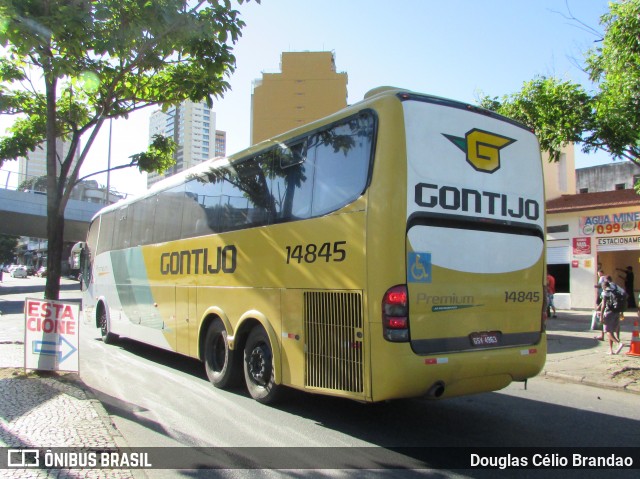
(51, 335)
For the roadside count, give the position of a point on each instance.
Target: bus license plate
(491, 338)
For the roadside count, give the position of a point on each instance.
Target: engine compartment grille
(333, 334)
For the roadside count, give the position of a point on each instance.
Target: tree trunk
(55, 236)
(55, 185)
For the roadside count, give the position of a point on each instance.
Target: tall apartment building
(307, 88)
(35, 164)
(193, 127)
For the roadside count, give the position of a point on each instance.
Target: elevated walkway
(25, 214)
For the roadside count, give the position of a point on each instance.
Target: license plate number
(491, 338)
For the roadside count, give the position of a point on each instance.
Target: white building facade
(592, 224)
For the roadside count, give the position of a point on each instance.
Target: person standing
(602, 278)
(551, 290)
(628, 279)
(610, 318)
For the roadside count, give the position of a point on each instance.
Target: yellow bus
(393, 249)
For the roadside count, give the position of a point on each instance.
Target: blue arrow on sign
(63, 348)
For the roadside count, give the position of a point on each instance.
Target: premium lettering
(469, 200)
(447, 299)
(200, 261)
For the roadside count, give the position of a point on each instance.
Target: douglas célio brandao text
(574, 460)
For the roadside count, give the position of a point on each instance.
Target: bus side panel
(293, 338)
(386, 225)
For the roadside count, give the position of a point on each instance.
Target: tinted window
(238, 195)
(341, 162)
(292, 184)
(168, 217)
(201, 213)
(107, 225)
(142, 215)
(308, 177)
(122, 233)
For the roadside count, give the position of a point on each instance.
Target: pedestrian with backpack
(610, 315)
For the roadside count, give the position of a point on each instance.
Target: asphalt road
(157, 398)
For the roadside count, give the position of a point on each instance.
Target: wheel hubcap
(259, 365)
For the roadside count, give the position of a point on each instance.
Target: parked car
(30, 270)
(42, 272)
(19, 272)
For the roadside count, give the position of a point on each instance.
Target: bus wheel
(107, 337)
(220, 362)
(258, 367)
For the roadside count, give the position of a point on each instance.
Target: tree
(70, 65)
(607, 119)
(615, 65)
(8, 246)
(559, 111)
(36, 183)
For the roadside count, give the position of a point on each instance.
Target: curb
(590, 382)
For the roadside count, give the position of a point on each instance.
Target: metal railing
(89, 190)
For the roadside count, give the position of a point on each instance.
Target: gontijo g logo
(482, 148)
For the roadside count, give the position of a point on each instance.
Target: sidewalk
(46, 409)
(575, 356)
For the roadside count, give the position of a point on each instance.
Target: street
(160, 399)
(157, 398)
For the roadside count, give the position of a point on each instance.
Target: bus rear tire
(103, 322)
(220, 362)
(258, 367)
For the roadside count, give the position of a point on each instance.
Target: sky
(458, 49)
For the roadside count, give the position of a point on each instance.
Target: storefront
(587, 232)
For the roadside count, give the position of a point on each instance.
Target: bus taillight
(395, 314)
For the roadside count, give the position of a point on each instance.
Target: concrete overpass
(25, 214)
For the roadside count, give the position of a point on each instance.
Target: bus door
(186, 321)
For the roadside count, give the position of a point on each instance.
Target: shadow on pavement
(472, 421)
(35, 288)
(559, 343)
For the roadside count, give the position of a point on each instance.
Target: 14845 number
(521, 296)
(310, 253)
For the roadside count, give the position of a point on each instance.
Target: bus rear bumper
(458, 374)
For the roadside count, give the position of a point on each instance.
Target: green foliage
(607, 119)
(8, 246)
(615, 65)
(67, 66)
(558, 111)
(36, 183)
(159, 157)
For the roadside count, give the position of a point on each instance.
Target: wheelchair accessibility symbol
(419, 268)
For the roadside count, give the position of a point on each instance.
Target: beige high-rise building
(308, 88)
(35, 164)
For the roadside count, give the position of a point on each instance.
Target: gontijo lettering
(200, 261)
(452, 198)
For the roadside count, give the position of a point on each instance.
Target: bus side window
(107, 226)
(246, 199)
(341, 159)
(168, 218)
(292, 183)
